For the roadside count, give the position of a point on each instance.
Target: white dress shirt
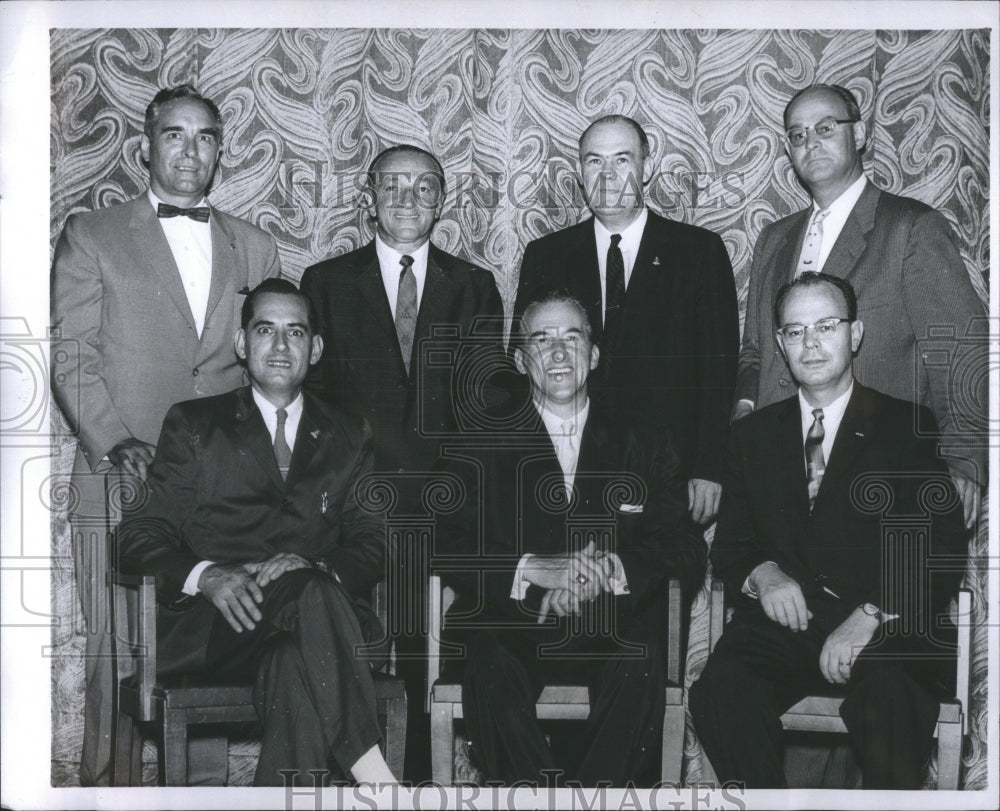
(388, 262)
(629, 246)
(565, 434)
(270, 414)
(840, 209)
(190, 243)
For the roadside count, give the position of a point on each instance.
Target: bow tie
(199, 213)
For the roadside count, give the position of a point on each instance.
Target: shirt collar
(554, 423)
(832, 414)
(841, 207)
(631, 234)
(293, 409)
(388, 257)
(155, 201)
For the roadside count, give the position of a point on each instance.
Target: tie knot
(405, 260)
(282, 416)
(615, 239)
(818, 414)
(166, 210)
(820, 215)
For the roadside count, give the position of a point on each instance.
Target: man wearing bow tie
(144, 305)
(572, 521)
(264, 551)
(661, 297)
(386, 311)
(830, 584)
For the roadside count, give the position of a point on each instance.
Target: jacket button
(783, 381)
(194, 372)
(286, 505)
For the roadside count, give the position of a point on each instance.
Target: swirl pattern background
(305, 110)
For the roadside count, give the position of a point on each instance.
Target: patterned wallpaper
(305, 111)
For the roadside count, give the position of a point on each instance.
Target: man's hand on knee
(780, 596)
(232, 589)
(275, 566)
(843, 645)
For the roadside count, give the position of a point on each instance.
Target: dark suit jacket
(215, 493)
(900, 256)
(765, 515)
(674, 358)
(126, 326)
(514, 503)
(362, 368)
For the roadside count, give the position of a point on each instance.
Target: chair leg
(673, 744)
(395, 735)
(127, 752)
(442, 742)
(175, 750)
(949, 755)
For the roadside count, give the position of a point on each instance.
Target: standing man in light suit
(378, 307)
(145, 299)
(661, 297)
(899, 255)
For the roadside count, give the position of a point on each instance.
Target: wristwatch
(872, 611)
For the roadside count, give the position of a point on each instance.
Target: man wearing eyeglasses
(825, 591)
(901, 257)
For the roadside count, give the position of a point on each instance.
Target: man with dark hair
(572, 521)
(144, 305)
(386, 311)
(826, 590)
(661, 297)
(912, 285)
(264, 553)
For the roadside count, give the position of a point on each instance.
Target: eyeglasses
(823, 128)
(824, 329)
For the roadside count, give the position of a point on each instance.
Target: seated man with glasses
(823, 595)
(901, 257)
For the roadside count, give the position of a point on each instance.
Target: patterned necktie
(199, 213)
(809, 258)
(566, 452)
(614, 272)
(406, 309)
(815, 464)
(281, 450)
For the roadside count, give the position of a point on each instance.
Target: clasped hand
(569, 580)
(235, 588)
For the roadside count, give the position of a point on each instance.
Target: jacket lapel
(309, 438)
(372, 292)
(847, 447)
(792, 486)
(150, 243)
(854, 235)
(252, 434)
(224, 268)
(435, 303)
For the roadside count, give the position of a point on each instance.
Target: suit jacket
(362, 368)
(900, 256)
(214, 492)
(124, 322)
(878, 472)
(673, 360)
(628, 490)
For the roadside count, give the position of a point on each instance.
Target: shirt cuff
(191, 583)
(749, 590)
(616, 579)
(520, 586)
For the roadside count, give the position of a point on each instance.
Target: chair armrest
(716, 613)
(435, 614)
(675, 622)
(131, 581)
(964, 657)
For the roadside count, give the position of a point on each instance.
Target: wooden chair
(822, 713)
(142, 698)
(557, 702)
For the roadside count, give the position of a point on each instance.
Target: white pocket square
(631, 508)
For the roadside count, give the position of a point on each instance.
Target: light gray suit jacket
(126, 345)
(916, 301)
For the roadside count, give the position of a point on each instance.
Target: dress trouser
(90, 524)
(506, 670)
(311, 667)
(759, 669)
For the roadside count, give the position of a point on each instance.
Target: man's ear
(647, 170)
(240, 343)
(781, 345)
(860, 132)
(144, 147)
(595, 356)
(316, 352)
(857, 333)
(367, 200)
(519, 361)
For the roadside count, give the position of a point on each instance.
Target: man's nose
(558, 350)
(809, 337)
(280, 341)
(190, 147)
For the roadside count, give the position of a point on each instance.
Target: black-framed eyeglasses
(823, 128)
(824, 329)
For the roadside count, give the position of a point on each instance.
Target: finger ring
(582, 579)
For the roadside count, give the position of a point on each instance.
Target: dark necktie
(281, 450)
(815, 464)
(406, 309)
(614, 273)
(199, 213)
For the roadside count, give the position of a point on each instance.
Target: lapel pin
(859, 434)
(314, 434)
(324, 504)
(656, 261)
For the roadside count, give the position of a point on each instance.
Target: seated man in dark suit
(572, 523)
(824, 593)
(263, 554)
